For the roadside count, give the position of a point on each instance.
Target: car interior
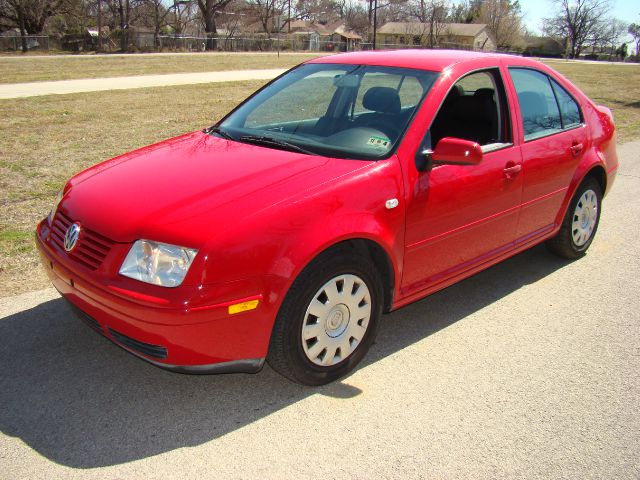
(354, 112)
(364, 115)
(470, 113)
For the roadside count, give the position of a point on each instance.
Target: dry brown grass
(50, 138)
(614, 86)
(29, 69)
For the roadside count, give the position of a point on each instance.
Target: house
(543, 47)
(470, 36)
(328, 37)
(350, 39)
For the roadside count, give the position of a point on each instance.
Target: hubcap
(336, 320)
(584, 218)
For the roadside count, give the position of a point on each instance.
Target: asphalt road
(527, 370)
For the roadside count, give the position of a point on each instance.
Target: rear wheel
(328, 320)
(580, 223)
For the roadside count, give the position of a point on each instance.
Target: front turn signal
(243, 306)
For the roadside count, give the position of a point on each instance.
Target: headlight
(157, 263)
(56, 202)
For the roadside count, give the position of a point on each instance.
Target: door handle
(576, 148)
(512, 170)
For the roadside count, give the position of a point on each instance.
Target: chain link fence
(148, 42)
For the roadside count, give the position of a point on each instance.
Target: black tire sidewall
(310, 281)
(590, 184)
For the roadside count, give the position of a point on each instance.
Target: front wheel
(580, 223)
(328, 320)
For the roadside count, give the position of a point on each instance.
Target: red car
(350, 186)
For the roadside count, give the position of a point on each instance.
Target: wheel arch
(593, 170)
(380, 259)
(599, 173)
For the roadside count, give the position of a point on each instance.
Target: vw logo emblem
(71, 237)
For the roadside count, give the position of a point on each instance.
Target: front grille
(155, 351)
(91, 249)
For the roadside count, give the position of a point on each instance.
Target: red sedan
(350, 186)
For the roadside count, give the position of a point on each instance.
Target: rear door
(554, 140)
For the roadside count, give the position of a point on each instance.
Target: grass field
(50, 138)
(29, 69)
(45, 140)
(615, 86)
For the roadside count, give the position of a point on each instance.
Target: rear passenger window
(538, 106)
(569, 110)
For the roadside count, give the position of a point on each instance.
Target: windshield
(344, 111)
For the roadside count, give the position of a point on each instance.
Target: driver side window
(475, 109)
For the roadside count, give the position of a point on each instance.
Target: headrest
(456, 91)
(382, 100)
(487, 93)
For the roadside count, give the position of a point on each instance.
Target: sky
(535, 10)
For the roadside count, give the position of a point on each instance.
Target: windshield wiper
(274, 142)
(220, 132)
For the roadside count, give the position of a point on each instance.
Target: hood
(178, 190)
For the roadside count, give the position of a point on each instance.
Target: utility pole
(99, 47)
(375, 22)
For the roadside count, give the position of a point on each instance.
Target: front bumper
(205, 339)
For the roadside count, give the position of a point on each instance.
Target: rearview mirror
(455, 151)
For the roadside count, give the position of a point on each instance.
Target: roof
(427, 59)
(417, 28)
(342, 30)
(350, 34)
(309, 26)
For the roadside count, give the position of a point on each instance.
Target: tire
(322, 288)
(580, 222)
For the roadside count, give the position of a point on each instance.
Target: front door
(460, 216)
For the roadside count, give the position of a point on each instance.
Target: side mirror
(455, 151)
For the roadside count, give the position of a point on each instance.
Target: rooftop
(427, 59)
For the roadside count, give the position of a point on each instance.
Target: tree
(466, 11)
(156, 15)
(380, 12)
(578, 21)
(317, 11)
(209, 9)
(354, 15)
(622, 52)
(184, 12)
(30, 16)
(433, 14)
(504, 20)
(123, 14)
(634, 31)
(613, 31)
(266, 10)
